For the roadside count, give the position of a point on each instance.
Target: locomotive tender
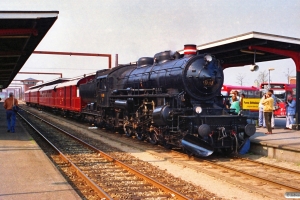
(171, 99)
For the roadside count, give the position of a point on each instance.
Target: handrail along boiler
(171, 99)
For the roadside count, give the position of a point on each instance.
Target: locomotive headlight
(208, 58)
(198, 109)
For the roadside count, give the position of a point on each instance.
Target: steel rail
(213, 163)
(101, 193)
(289, 188)
(296, 189)
(161, 186)
(269, 165)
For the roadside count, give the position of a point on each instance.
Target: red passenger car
(67, 96)
(32, 96)
(62, 97)
(47, 94)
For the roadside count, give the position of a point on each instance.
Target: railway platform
(282, 144)
(25, 171)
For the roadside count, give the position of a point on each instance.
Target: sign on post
(250, 103)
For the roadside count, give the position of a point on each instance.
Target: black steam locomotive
(171, 99)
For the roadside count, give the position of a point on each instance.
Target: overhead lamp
(254, 67)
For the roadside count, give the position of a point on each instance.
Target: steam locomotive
(171, 99)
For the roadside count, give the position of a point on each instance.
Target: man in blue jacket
(290, 112)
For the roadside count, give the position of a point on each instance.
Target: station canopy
(20, 34)
(235, 51)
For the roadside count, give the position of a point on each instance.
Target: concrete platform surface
(282, 144)
(281, 138)
(25, 171)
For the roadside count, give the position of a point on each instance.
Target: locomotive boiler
(171, 99)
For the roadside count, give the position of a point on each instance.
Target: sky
(142, 28)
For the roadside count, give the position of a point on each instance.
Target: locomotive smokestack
(190, 49)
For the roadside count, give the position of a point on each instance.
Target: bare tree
(288, 74)
(240, 79)
(262, 77)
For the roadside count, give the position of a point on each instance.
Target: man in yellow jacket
(268, 104)
(10, 114)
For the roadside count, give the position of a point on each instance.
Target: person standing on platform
(261, 112)
(10, 114)
(290, 111)
(235, 105)
(268, 104)
(275, 105)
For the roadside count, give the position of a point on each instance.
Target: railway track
(284, 178)
(109, 177)
(267, 180)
